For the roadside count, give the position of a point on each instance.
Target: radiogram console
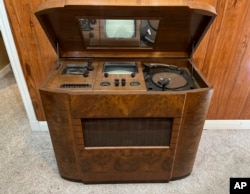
(125, 102)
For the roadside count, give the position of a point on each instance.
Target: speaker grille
(125, 132)
(79, 85)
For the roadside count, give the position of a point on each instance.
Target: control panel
(99, 76)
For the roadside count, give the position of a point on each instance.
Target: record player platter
(171, 80)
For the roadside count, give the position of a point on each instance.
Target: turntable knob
(163, 82)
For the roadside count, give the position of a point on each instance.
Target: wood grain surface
(66, 114)
(223, 55)
(225, 60)
(125, 135)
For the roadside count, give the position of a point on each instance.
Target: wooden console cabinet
(141, 119)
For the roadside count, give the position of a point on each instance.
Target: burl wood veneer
(125, 133)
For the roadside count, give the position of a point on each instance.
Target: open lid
(126, 28)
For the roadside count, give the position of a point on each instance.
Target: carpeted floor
(27, 163)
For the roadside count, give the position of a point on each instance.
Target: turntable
(125, 102)
(167, 77)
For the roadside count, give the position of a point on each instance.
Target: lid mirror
(118, 32)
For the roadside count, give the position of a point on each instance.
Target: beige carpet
(27, 163)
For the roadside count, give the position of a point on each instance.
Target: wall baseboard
(227, 124)
(39, 126)
(5, 70)
(209, 124)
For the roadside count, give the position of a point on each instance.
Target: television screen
(120, 29)
(120, 67)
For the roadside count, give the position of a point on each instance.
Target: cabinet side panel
(57, 111)
(195, 111)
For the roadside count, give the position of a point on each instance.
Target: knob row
(118, 81)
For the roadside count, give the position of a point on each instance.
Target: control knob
(85, 72)
(117, 82)
(123, 82)
(90, 66)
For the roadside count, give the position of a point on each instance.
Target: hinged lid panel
(131, 28)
